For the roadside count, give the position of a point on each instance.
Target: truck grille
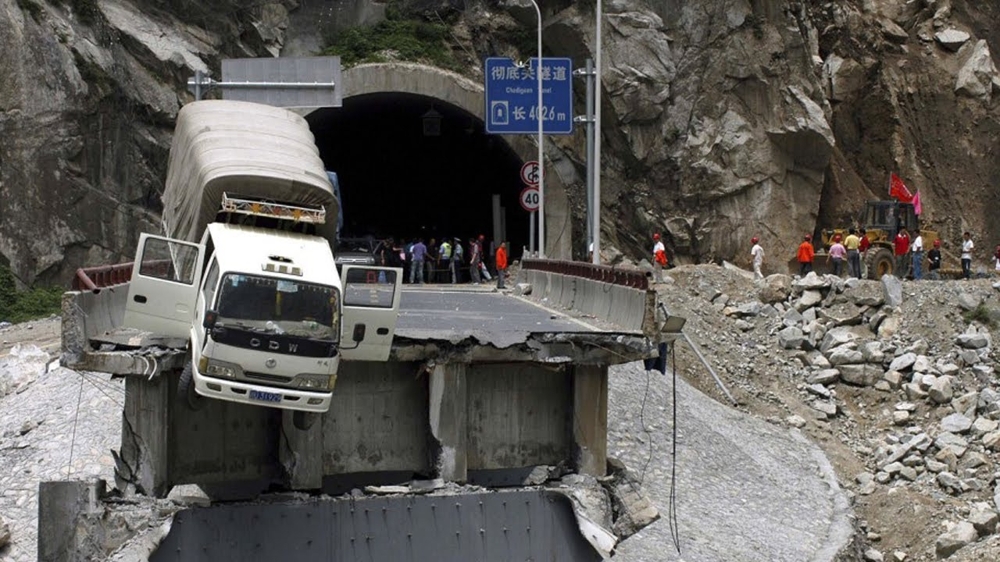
(277, 379)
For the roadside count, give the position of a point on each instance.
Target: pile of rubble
(942, 431)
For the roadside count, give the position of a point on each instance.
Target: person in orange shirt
(501, 259)
(806, 254)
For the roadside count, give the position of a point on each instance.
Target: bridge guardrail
(620, 297)
(602, 273)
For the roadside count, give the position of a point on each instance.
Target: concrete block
(590, 419)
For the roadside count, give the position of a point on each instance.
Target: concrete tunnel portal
(413, 158)
(410, 165)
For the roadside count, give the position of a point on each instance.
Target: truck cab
(264, 311)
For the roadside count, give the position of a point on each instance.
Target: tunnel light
(432, 123)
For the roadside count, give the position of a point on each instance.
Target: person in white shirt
(659, 258)
(917, 251)
(967, 247)
(758, 257)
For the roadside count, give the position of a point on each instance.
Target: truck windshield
(279, 306)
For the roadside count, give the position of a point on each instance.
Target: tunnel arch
(385, 87)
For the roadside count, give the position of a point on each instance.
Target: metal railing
(604, 273)
(99, 277)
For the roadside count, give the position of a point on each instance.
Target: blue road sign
(512, 96)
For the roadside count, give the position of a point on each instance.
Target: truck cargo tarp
(245, 150)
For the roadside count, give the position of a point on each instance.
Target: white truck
(246, 271)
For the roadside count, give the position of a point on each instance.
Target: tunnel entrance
(411, 165)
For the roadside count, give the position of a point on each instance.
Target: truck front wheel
(185, 389)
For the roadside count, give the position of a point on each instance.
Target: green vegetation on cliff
(19, 306)
(401, 36)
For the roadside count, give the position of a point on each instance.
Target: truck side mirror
(210, 318)
(359, 333)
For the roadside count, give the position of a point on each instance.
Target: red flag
(897, 189)
(917, 208)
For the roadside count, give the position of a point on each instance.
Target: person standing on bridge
(417, 269)
(444, 255)
(659, 257)
(501, 259)
(757, 252)
(456, 261)
(475, 259)
(805, 255)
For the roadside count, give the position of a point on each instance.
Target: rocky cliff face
(723, 118)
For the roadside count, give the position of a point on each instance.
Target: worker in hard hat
(659, 257)
(806, 254)
(757, 253)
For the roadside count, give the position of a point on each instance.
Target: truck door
(164, 286)
(371, 306)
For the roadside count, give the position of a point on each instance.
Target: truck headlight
(315, 382)
(222, 370)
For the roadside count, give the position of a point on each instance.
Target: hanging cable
(672, 506)
(649, 436)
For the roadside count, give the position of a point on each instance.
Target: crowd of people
(852, 252)
(908, 252)
(447, 261)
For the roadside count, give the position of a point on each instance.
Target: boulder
(792, 317)
(966, 403)
(836, 338)
(776, 288)
(958, 536)
(843, 77)
(889, 326)
(860, 375)
(791, 338)
(984, 518)
(941, 391)
(809, 299)
(922, 364)
(811, 282)
(982, 426)
(951, 39)
(978, 76)
(894, 378)
(825, 376)
(843, 314)
(967, 301)
(845, 355)
(956, 423)
(951, 442)
(903, 362)
(892, 290)
(973, 341)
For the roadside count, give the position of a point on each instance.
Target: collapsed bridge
(482, 388)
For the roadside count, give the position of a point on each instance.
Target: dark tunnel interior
(414, 166)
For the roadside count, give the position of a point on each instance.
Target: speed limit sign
(530, 198)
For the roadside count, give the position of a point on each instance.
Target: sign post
(530, 197)
(528, 99)
(529, 202)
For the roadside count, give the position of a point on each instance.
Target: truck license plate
(265, 396)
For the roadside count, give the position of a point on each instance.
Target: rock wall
(723, 119)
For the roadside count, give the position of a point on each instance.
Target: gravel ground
(745, 490)
(62, 426)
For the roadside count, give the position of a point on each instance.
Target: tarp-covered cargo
(245, 150)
